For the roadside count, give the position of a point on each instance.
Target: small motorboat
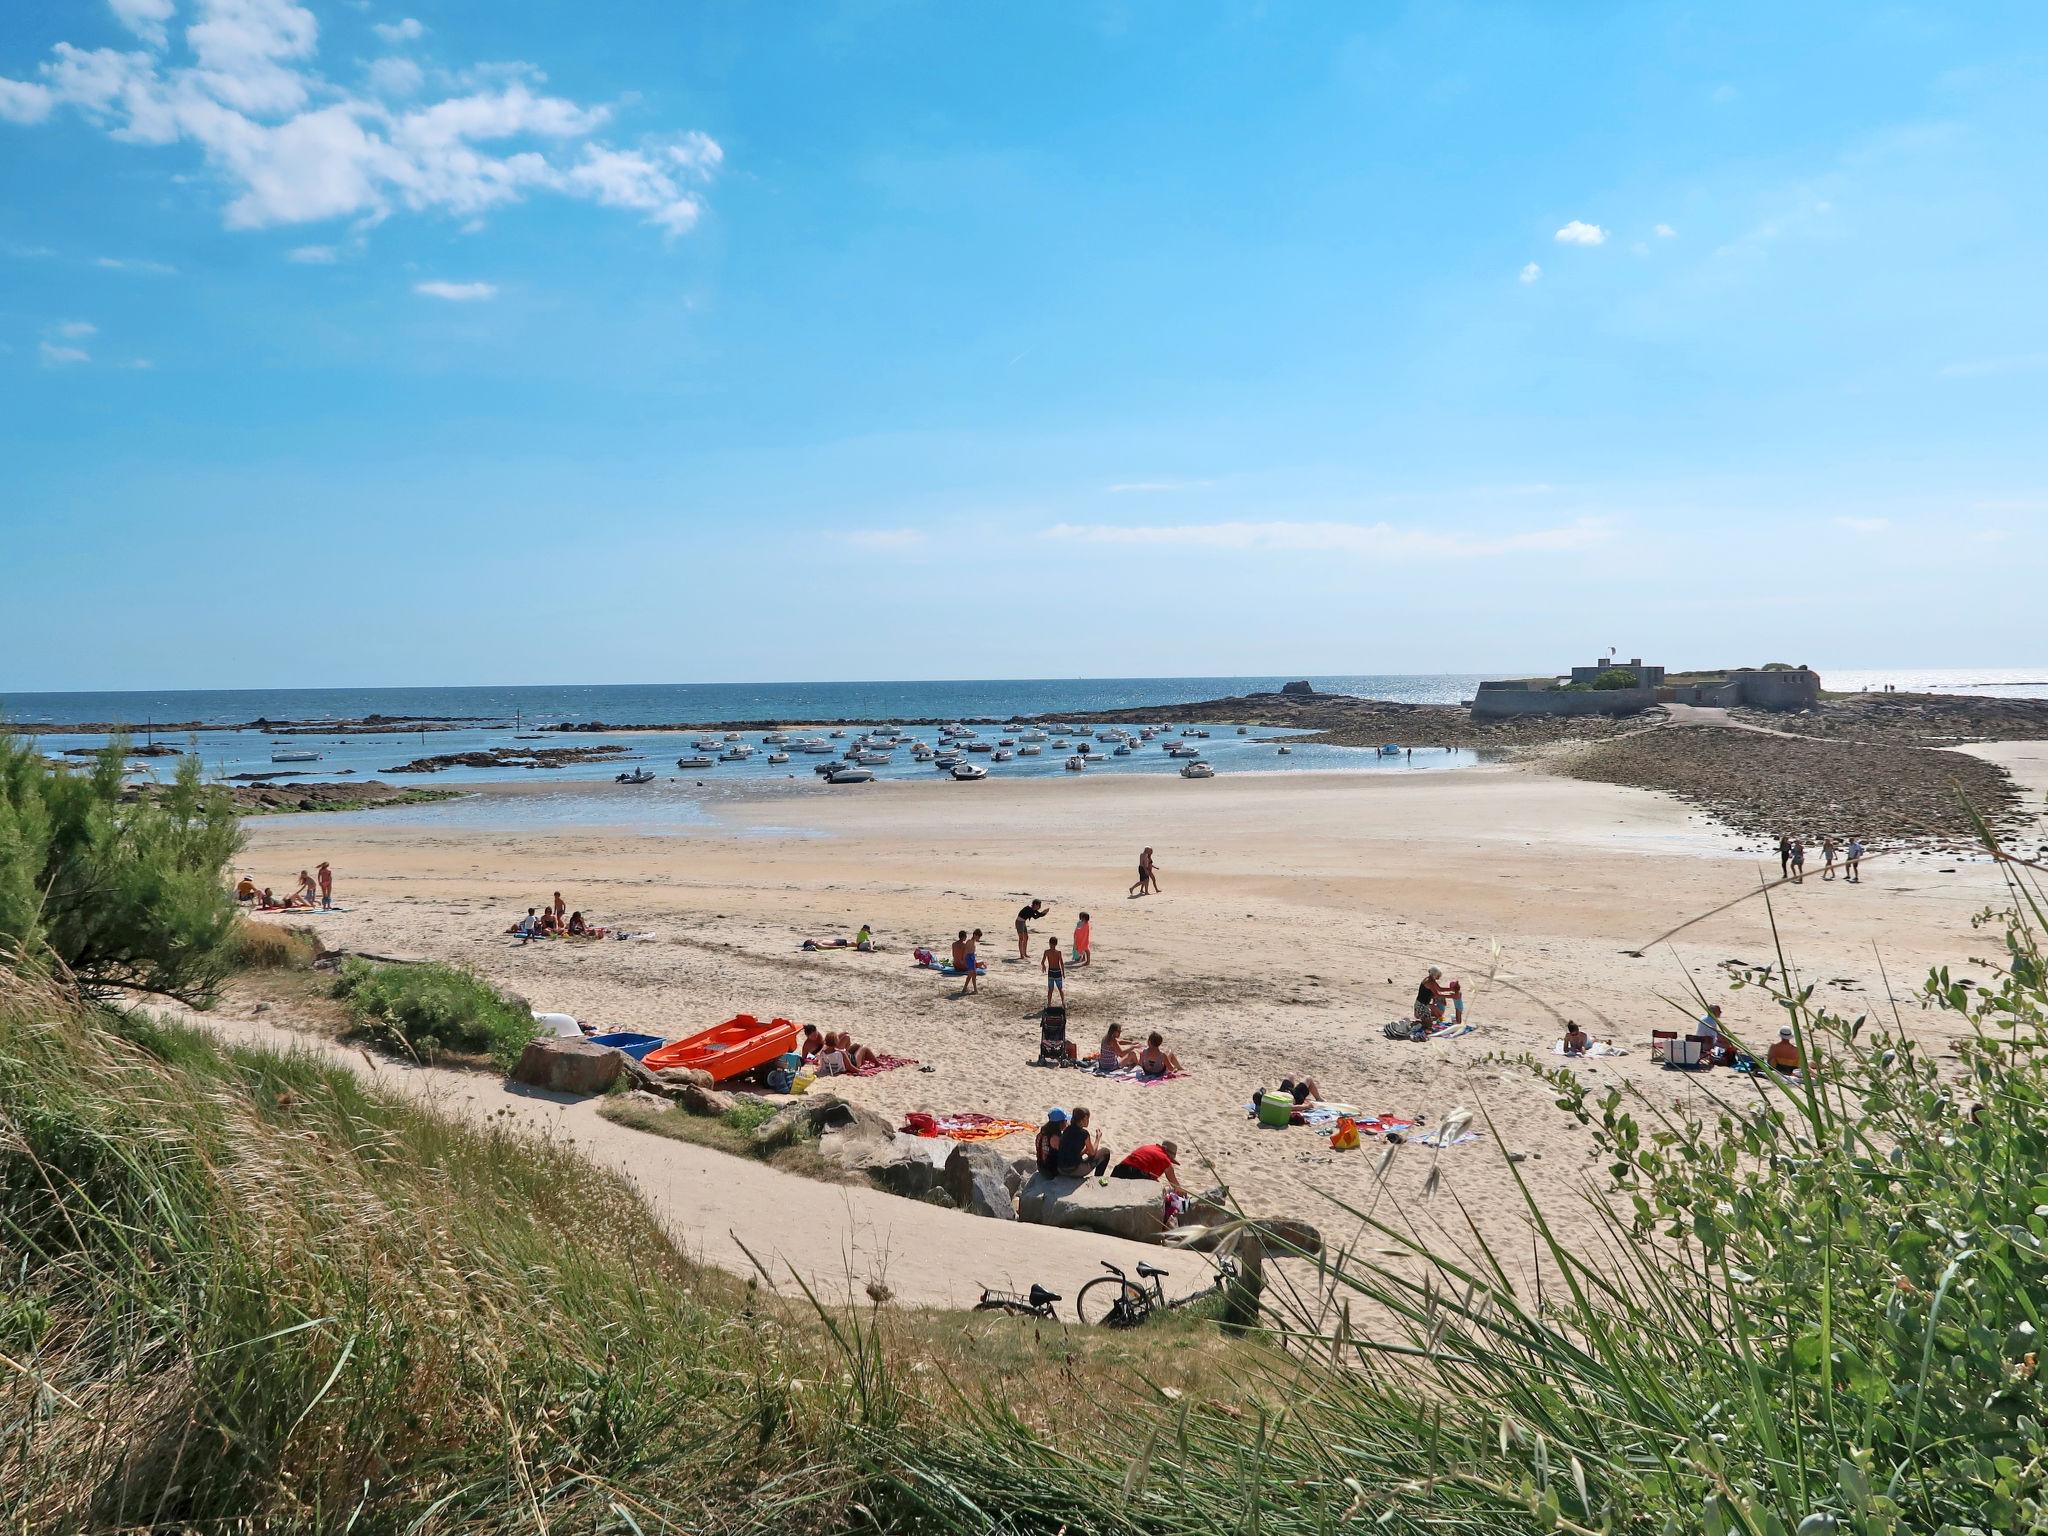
(735, 754)
(1182, 749)
(980, 746)
(1390, 749)
(817, 748)
(922, 753)
(839, 735)
(1032, 751)
(947, 759)
(850, 773)
(1084, 730)
(1076, 764)
(707, 743)
(1123, 749)
(778, 757)
(1243, 730)
(1287, 751)
(1197, 770)
(774, 738)
(1032, 736)
(1061, 744)
(740, 1045)
(1084, 748)
(637, 776)
(966, 771)
(875, 758)
(826, 770)
(295, 755)
(694, 762)
(1003, 755)
(732, 735)
(1007, 741)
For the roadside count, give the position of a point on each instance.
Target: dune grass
(429, 1009)
(272, 947)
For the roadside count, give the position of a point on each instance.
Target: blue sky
(420, 342)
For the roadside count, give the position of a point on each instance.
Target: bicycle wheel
(1111, 1303)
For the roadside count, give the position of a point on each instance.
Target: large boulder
(809, 1117)
(703, 1101)
(910, 1166)
(1274, 1236)
(569, 1066)
(977, 1176)
(1301, 688)
(679, 1076)
(1129, 1208)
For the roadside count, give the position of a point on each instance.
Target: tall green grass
(428, 1008)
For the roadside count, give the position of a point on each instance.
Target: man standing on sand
(1784, 856)
(1034, 908)
(1148, 877)
(970, 965)
(326, 877)
(1855, 860)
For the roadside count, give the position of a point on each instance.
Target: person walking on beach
(970, 965)
(1055, 972)
(1784, 856)
(326, 877)
(1828, 845)
(1083, 949)
(1034, 908)
(1855, 860)
(1148, 876)
(1799, 861)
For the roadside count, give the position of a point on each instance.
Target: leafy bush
(748, 1117)
(269, 947)
(108, 891)
(428, 1008)
(1615, 677)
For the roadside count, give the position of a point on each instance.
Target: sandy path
(837, 1238)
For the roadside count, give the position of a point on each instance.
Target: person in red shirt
(1154, 1161)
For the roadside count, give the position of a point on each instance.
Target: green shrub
(749, 1117)
(429, 1008)
(269, 947)
(110, 892)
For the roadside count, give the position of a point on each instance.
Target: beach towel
(1437, 1138)
(1597, 1048)
(1451, 1031)
(1371, 1125)
(1129, 1074)
(882, 1064)
(966, 1127)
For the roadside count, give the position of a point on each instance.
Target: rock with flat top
(1127, 1208)
(703, 1101)
(569, 1066)
(866, 1144)
(810, 1117)
(677, 1077)
(977, 1176)
(1298, 689)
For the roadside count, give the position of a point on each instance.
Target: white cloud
(1665, 232)
(884, 539)
(1372, 540)
(135, 264)
(314, 255)
(22, 101)
(1578, 232)
(399, 31)
(1530, 273)
(1157, 487)
(54, 356)
(145, 18)
(457, 293)
(1864, 526)
(291, 146)
(74, 330)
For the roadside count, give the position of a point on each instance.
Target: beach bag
(1345, 1137)
(917, 1123)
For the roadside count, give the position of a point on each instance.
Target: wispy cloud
(1864, 526)
(74, 329)
(135, 264)
(1157, 487)
(242, 85)
(457, 293)
(1578, 232)
(1372, 540)
(314, 255)
(2012, 504)
(1665, 232)
(885, 539)
(1989, 367)
(1530, 273)
(54, 356)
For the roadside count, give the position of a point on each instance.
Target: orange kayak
(739, 1045)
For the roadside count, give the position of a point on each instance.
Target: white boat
(693, 762)
(980, 746)
(1061, 744)
(850, 773)
(774, 738)
(637, 776)
(1084, 730)
(1007, 741)
(1180, 749)
(1032, 736)
(1389, 750)
(817, 748)
(1076, 764)
(778, 757)
(1197, 770)
(969, 771)
(1003, 755)
(877, 758)
(923, 753)
(947, 759)
(295, 755)
(735, 754)
(1287, 751)
(707, 743)
(839, 735)
(732, 735)
(1123, 749)
(1029, 751)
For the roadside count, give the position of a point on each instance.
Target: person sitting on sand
(812, 1044)
(1154, 1161)
(578, 928)
(1720, 1050)
(1113, 1055)
(1032, 909)
(1783, 1055)
(1081, 1152)
(1083, 947)
(1433, 994)
(245, 889)
(1305, 1091)
(865, 939)
(268, 902)
(1046, 1146)
(549, 923)
(1576, 1041)
(960, 951)
(1055, 968)
(1156, 1060)
(845, 1055)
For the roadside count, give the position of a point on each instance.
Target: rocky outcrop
(1127, 1208)
(979, 1178)
(698, 1100)
(1301, 689)
(569, 1066)
(810, 1117)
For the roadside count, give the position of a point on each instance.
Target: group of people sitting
(833, 1054)
(313, 890)
(1717, 1049)
(1154, 1060)
(554, 920)
(1067, 1147)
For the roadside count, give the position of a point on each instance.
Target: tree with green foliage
(111, 890)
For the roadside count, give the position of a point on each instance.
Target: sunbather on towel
(1305, 1091)
(1156, 1060)
(1114, 1055)
(1576, 1041)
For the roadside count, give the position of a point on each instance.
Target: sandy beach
(1297, 913)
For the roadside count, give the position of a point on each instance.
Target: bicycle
(1038, 1303)
(1116, 1301)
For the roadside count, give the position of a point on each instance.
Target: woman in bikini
(1114, 1055)
(1156, 1060)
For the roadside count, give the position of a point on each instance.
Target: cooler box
(1276, 1110)
(1682, 1053)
